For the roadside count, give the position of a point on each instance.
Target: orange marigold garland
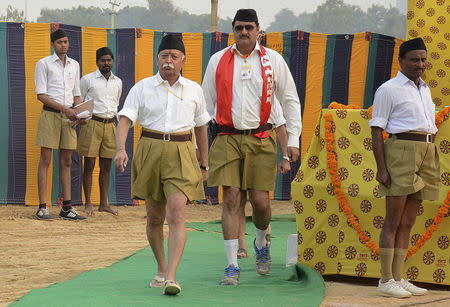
(340, 194)
(343, 202)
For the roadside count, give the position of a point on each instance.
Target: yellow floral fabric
(430, 19)
(326, 241)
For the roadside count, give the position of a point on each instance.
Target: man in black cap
(165, 171)
(97, 138)
(408, 163)
(57, 80)
(249, 91)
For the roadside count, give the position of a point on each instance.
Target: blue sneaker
(231, 276)
(263, 260)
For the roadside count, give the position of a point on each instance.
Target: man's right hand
(70, 114)
(384, 178)
(121, 160)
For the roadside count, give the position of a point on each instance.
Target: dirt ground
(35, 254)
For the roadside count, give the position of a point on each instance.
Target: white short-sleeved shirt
(60, 82)
(105, 92)
(246, 101)
(156, 105)
(400, 106)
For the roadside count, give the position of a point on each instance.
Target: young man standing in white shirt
(98, 137)
(165, 171)
(407, 162)
(239, 85)
(57, 80)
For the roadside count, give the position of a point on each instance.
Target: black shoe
(71, 214)
(43, 214)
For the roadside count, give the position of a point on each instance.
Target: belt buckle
(429, 138)
(248, 132)
(166, 137)
(105, 120)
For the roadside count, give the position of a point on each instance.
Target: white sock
(260, 241)
(231, 247)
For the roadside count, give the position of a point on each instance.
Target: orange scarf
(224, 88)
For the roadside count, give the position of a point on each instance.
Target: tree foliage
(334, 16)
(13, 14)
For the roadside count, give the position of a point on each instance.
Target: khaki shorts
(243, 161)
(54, 131)
(161, 168)
(413, 167)
(97, 139)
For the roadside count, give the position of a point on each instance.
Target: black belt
(232, 130)
(167, 136)
(104, 120)
(428, 138)
(50, 109)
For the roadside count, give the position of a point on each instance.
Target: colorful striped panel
(395, 66)
(385, 51)
(328, 71)
(313, 95)
(341, 68)
(193, 43)
(4, 116)
(111, 38)
(75, 52)
(17, 172)
(358, 68)
(206, 52)
(36, 47)
(125, 39)
(157, 36)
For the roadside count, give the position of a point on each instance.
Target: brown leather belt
(232, 130)
(167, 136)
(50, 109)
(428, 138)
(104, 120)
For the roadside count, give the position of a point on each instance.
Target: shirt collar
(98, 74)
(234, 49)
(402, 79)
(158, 80)
(55, 57)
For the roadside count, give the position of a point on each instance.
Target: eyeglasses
(239, 28)
(165, 56)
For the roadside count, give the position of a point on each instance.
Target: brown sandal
(157, 282)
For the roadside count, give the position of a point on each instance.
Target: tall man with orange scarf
(247, 89)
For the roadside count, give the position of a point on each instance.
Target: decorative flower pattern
(355, 128)
(308, 254)
(309, 222)
(299, 238)
(313, 161)
(364, 114)
(356, 158)
(368, 174)
(367, 144)
(365, 206)
(378, 222)
(308, 191)
(353, 190)
(420, 210)
(321, 237)
(341, 113)
(412, 272)
(343, 142)
(343, 173)
(300, 176)
(361, 269)
(333, 220)
(443, 242)
(321, 205)
(439, 275)
(332, 251)
(341, 236)
(320, 267)
(428, 257)
(321, 174)
(414, 238)
(444, 147)
(298, 206)
(350, 252)
(445, 178)
(330, 189)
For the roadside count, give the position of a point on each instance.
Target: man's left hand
(83, 121)
(293, 153)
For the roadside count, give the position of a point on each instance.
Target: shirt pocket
(186, 110)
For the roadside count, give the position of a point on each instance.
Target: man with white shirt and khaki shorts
(98, 137)
(240, 85)
(407, 162)
(57, 81)
(165, 171)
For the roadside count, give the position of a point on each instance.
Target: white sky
(227, 8)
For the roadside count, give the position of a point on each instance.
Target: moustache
(170, 65)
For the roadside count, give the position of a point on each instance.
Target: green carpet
(125, 283)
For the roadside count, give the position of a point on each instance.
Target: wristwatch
(287, 158)
(205, 168)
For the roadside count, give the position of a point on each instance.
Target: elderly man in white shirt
(165, 170)
(57, 81)
(98, 137)
(407, 162)
(240, 86)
